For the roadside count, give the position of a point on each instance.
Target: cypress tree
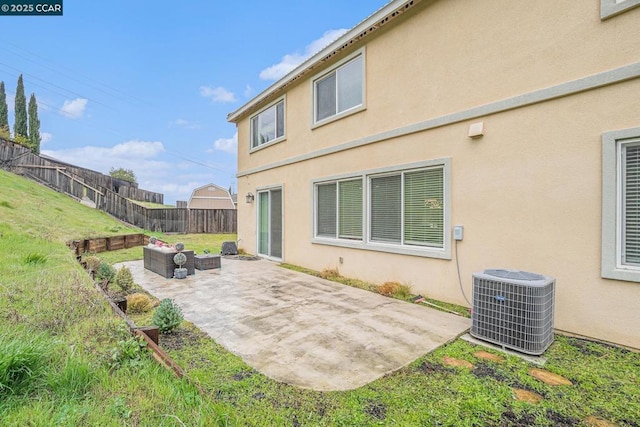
(4, 110)
(34, 124)
(4, 113)
(20, 125)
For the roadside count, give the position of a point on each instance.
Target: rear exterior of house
(211, 196)
(519, 121)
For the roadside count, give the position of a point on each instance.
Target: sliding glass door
(270, 223)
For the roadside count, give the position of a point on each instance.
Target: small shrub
(93, 263)
(124, 280)
(403, 292)
(388, 289)
(34, 259)
(168, 316)
(138, 303)
(106, 272)
(179, 246)
(330, 273)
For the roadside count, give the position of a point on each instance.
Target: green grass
(74, 364)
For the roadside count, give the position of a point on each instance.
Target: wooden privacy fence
(21, 160)
(112, 195)
(170, 220)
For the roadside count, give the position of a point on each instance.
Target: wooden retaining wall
(104, 244)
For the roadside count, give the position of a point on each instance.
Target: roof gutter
(382, 16)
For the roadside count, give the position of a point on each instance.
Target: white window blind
(326, 210)
(386, 208)
(424, 207)
(350, 209)
(631, 205)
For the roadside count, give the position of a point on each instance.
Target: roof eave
(379, 18)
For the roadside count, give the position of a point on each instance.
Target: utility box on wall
(513, 309)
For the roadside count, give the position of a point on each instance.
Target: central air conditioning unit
(513, 309)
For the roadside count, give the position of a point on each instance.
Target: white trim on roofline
(386, 13)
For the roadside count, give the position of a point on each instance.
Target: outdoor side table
(207, 262)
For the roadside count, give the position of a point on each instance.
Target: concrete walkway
(302, 330)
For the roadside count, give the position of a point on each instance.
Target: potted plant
(180, 259)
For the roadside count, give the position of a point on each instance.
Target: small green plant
(22, 361)
(75, 379)
(93, 263)
(128, 353)
(120, 409)
(168, 316)
(106, 272)
(34, 259)
(179, 246)
(138, 303)
(206, 251)
(124, 280)
(6, 204)
(403, 292)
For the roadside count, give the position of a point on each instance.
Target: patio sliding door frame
(268, 190)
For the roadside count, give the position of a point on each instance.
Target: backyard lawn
(66, 359)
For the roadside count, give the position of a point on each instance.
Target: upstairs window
(268, 125)
(339, 91)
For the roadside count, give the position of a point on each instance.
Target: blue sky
(147, 85)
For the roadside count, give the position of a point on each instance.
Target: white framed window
(339, 91)
(407, 207)
(611, 8)
(339, 209)
(621, 205)
(268, 126)
(402, 209)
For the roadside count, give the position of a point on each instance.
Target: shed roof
(211, 196)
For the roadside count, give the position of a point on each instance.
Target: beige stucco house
(211, 196)
(519, 121)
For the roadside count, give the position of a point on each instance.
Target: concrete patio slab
(303, 330)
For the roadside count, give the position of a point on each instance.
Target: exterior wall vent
(513, 309)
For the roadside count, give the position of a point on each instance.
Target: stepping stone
(488, 356)
(592, 421)
(526, 396)
(452, 361)
(549, 377)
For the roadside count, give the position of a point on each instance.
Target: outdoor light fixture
(249, 198)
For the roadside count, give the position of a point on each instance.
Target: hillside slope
(65, 358)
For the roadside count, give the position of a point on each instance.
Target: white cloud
(74, 109)
(185, 124)
(292, 60)
(217, 94)
(227, 145)
(248, 91)
(156, 168)
(45, 137)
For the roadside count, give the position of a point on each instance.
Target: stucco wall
(528, 192)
